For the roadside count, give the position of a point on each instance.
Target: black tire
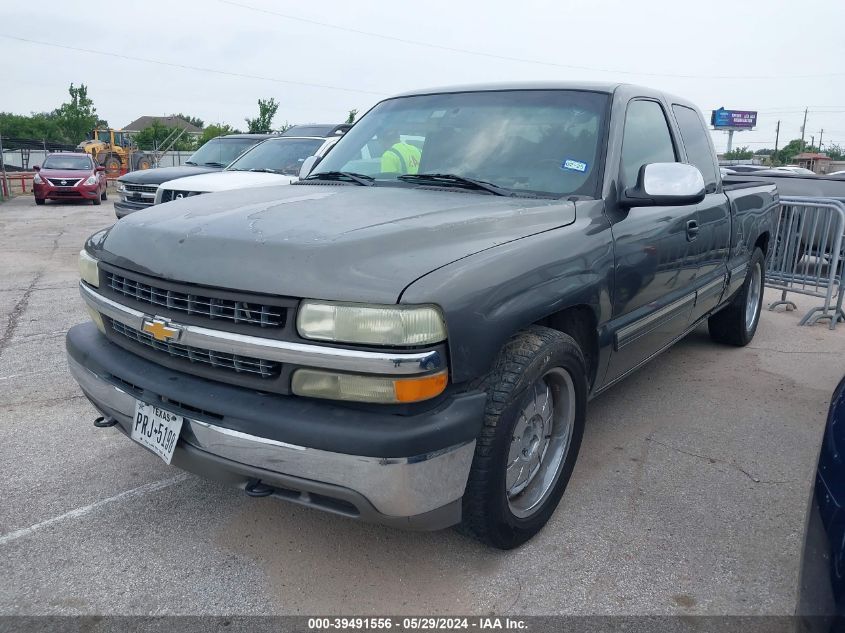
(97, 202)
(113, 164)
(730, 325)
(40, 201)
(525, 359)
(104, 195)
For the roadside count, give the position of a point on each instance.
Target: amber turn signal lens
(416, 389)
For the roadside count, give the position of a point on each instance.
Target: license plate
(156, 429)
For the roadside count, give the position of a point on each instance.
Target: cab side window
(695, 141)
(646, 140)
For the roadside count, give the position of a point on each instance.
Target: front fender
(490, 295)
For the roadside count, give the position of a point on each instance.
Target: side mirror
(36, 168)
(100, 168)
(665, 184)
(307, 165)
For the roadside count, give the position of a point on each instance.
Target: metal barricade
(807, 257)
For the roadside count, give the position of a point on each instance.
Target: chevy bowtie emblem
(64, 182)
(161, 330)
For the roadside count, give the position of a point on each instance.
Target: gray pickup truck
(410, 334)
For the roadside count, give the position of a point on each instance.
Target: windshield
(531, 141)
(280, 155)
(80, 163)
(221, 151)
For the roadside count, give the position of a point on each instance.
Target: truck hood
(225, 180)
(163, 174)
(340, 242)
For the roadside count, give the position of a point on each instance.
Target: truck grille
(219, 360)
(64, 182)
(214, 308)
(141, 188)
(173, 194)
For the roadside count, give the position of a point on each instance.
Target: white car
(795, 169)
(276, 161)
(837, 173)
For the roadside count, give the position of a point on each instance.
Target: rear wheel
(533, 425)
(737, 323)
(104, 195)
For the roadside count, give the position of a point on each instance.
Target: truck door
(712, 244)
(655, 260)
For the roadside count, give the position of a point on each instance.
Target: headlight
(92, 180)
(37, 179)
(88, 269)
(382, 389)
(371, 325)
(121, 188)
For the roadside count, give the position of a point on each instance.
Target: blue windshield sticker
(574, 165)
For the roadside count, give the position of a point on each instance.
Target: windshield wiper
(190, 162)
(214, 164)
(361, 179)
(454, 180)
(263, 170)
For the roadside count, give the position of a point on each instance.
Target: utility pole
(812, 140)
(777, 136)
(803, 127)
(821, 134)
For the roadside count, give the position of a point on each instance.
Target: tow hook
(104, 423)
(254, 488)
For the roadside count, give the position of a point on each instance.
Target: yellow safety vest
(402, 158)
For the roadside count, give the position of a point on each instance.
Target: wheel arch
(581, 323)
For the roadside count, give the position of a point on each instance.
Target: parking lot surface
(689, 496)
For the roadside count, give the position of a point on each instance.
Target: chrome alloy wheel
(752, 301)
(540, 442)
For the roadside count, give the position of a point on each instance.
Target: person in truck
(399, 157)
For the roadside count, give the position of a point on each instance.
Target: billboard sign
(722, 119)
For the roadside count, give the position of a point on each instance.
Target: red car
(66, 176)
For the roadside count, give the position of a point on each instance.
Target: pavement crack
(17, 312)
(780, 351)
(715, 460)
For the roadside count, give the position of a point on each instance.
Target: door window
(646, 139)
(697, 145)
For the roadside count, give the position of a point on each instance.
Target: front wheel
(533, 425)
(104, 195)
(737, 323)
(40, 201)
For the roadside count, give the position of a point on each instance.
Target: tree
(792, 149)
(152, 137)
(350, 119)
(77, 117)
(739, 153)
(835, 151)
(196, 121)
(263, 123)
(764, 152)
(38, 125)
(213, 131)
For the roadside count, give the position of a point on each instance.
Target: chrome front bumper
(391, 490)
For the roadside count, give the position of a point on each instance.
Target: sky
(319, 60)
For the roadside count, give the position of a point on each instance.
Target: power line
(522, 60)
(188, 67)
